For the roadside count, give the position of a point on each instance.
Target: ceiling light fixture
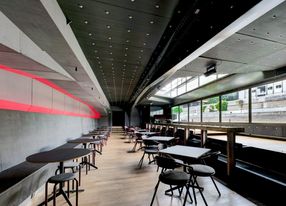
(89, 34)
(80, 6)
(211, 69)
(157, 6)
(107, 12)
(130, 17)
(151, 22)
(85, 21)
(108, 26)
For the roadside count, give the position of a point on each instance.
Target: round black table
(58, 155)
(84, 142)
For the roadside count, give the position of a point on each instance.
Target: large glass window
(193, 84)
(175, 113)
(234, 107)
(182, 89)
(195, 111)
(184, 113)
(211, 109)
(155, 111)
(268, 103)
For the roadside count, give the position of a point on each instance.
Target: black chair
(73, 166)
(172, 177)
(151, 148)
(203, 170)
(61, 179)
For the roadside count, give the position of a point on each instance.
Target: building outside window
(175, 113)
(234, 107)
(195, 111)
(269, 103)
(184, 113)
(211, 109)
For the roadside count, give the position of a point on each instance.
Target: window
(182, 89)
(175, 113)
(234, 107)
(211, 109)
(269, 107)
(184, 113)
(195, 111)
(155, 111)
(193, 84)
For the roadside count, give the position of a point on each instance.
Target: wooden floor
(119, 182)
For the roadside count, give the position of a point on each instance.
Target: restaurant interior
(136, 103)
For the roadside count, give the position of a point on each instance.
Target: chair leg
(68, 191)
(79, 175)
(54, 193)
(141, 160)
(204, 199)
(46, 194)
(156, 188)
(76, 197)
(215, 186)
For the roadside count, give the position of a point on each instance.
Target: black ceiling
(130, 43)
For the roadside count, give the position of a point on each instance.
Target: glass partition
(268, 103)
(184, 113)
(195, 111)
(234, 107)
(210, 109)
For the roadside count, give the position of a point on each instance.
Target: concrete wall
(22, 134)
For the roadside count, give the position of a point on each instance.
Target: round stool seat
(61, 178)
(174, 177)
(202, 170)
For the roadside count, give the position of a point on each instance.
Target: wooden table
(58, 155)
(230, 132)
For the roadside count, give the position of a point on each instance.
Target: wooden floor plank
(119, 182)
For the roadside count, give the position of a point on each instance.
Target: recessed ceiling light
(125, 55)
(93, 44)
(108, 26)
(132, 0)
(178, 11)
(126, 48)
(109, 38)
(130, 17)
(144, 44)
(147, 34)
(85, 21)
(139, 57)
(110, 53)
(127, 40)
(124, 65)
(107, 12)
(157, 6)
(80, 6)
(95, 51)
(151, 22)
(97, 57)
(110, 46)
(197, 11)
(141, 50)
(89, 34)
(128, 30)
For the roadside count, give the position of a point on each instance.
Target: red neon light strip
(9, 105)
(20, 107)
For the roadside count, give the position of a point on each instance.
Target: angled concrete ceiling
(258, 46)
(117, 51)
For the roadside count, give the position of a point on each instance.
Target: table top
(57, 155)
(159, 138)
(82, 140)
(147, 133)
(185, 151)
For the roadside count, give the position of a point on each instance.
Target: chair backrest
(166, 163)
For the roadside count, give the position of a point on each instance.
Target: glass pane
(268, 103)
(205, 80)
(192, 84)
(211, 109)
(184, 113)
(155, 111)
(175, 113)
(234, 107)
(174, 93)
(181, 89)
(195, 111)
